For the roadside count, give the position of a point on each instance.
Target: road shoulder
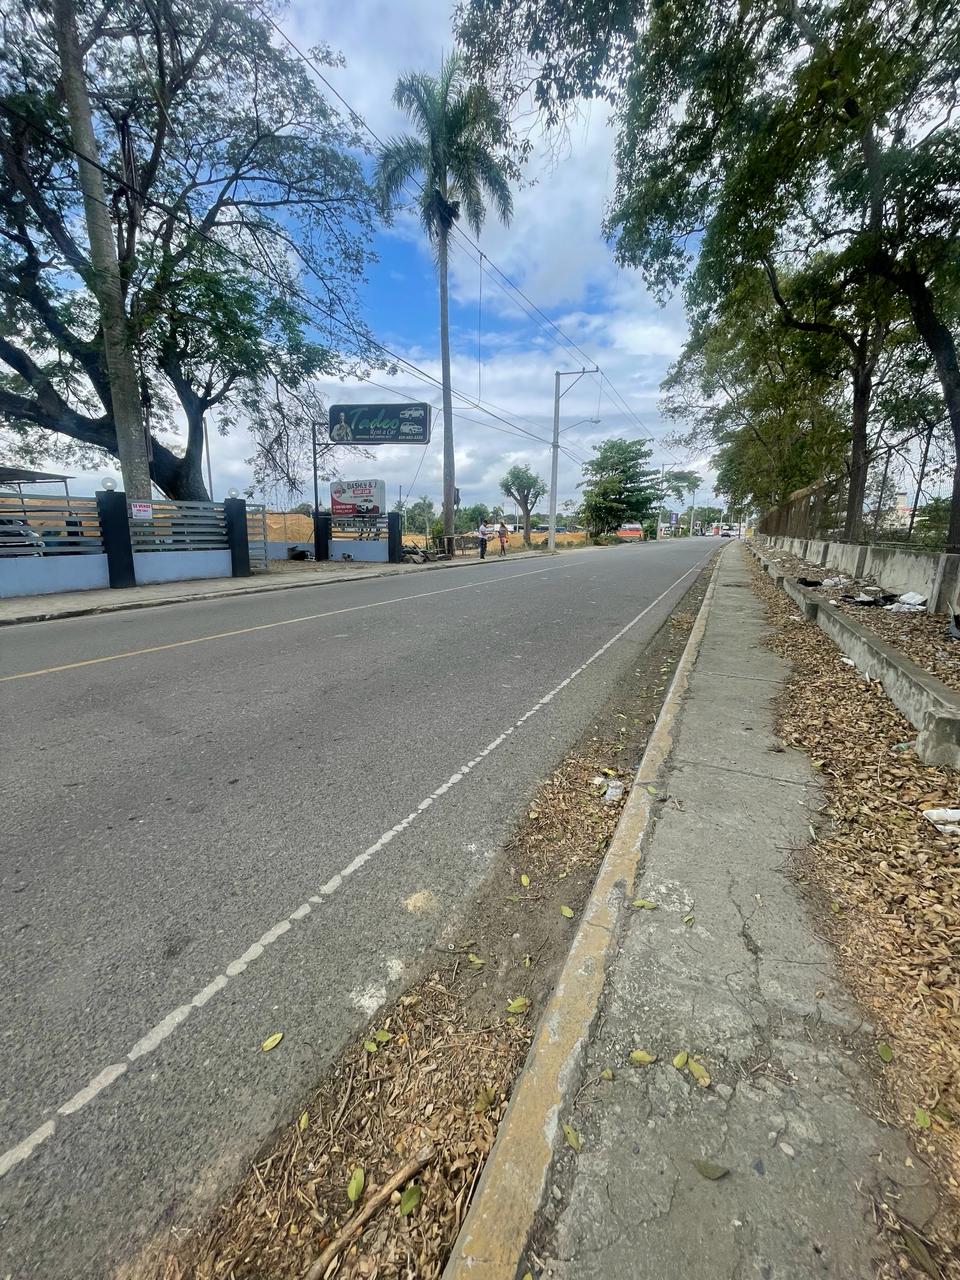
(775, 1166)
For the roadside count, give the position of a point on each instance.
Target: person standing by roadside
(502, 535)
(483, 533)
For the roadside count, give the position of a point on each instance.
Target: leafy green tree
(233, 188)
(750, 131)
(525, 488)
(420, 514)
(468, 518)
(678, 481)
(456, 160)
(618, 487)
(749, 384)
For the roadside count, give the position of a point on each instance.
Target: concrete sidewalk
(772, 1170)
(75, 604)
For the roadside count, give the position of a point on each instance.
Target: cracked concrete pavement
(751, 988)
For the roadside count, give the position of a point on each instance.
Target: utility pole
(316, 469)
(576, 374)
(693, 507)
(663, 468)
(105, 275)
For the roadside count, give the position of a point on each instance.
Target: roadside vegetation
(794, 171)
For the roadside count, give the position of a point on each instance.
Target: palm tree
(454, 160)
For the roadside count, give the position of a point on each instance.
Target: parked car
(18, 539)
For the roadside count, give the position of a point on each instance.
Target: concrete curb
(263, 588)
(931, 706)
(492, 1240)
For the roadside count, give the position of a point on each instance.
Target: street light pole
(554, 463)
(576, 374)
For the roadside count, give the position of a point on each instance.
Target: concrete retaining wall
(931, 706)
(180, 566)
(899, 569)
(43, 575)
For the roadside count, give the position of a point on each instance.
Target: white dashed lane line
(165, 1028)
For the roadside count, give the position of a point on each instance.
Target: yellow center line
(267, 626)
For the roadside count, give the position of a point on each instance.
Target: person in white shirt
(483, 533)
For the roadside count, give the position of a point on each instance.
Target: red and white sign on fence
(358, 498)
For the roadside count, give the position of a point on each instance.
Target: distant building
(899, 517)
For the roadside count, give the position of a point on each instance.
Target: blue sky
(553, 250)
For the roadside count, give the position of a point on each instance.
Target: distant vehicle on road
(727, 531)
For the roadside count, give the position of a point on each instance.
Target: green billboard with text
(380, 423)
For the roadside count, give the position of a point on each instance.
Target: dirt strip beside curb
(931, 706)
(495, 1233)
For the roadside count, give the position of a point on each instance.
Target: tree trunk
(179, 478)
(124, 385)
(525, 511)
(449, 468)
(939, 341)
(862, 390)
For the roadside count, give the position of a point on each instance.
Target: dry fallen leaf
(566, 912)
(680, 1061)
(641, 1058)
(484, 1099)
(271, 1042)
(699, 1072)
(645, 903)
(712, 1171)
(573, 1138)
(355, 1185)
(410, 1198)
(519, 1004)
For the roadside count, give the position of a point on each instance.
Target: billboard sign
(380, 423)
(357, 498)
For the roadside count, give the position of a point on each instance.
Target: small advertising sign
(141, 511)
(358, 498)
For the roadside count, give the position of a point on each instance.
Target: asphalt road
(229, 818)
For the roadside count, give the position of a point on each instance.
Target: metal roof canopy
(16, 477)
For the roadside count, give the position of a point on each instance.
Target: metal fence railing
(49, 526)
(177, 526)
(257, 535)
(814, 512)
